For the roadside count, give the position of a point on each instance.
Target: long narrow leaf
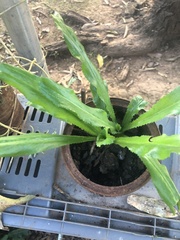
(168, 105)
(31, 143)
(98, 87)
(162, 181)
(149, 150)
(160, 147)
(55, 99)
(135, 105)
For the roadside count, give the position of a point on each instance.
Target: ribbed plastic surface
(34, 173)
(89, 221)
(89, 216)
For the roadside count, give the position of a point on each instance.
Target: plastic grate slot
(37, 168)
(33, 114)
(175, 225)
(19, 164)
(19, 210)
(57, 206)
(160, 232)
(37, 211)
(130, 217)
(161, 128)
(131, 227)
(168, 224)
(86, 220)
(88, 210)
(9, 166)
(41, 117)
(162, 223)
(43, 212)
(159, 229)
(38, 203)
(56, 215)
(49, 120)
(26, 112)
(28, 166)
(1, 162)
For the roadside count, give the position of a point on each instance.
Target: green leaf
(104, 138)
(168, 105)
(31, 143)
(98, 87)
(55, 99)
(16, 234)
(160, 147)
(136, 104)
(150, 150)
(162, 181)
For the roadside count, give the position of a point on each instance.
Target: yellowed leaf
(100, 60)
(8, 202)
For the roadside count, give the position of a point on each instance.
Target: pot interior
(109, 165)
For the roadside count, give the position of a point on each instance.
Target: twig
(83, 95)
(92, 148)
(130, 83)
(32, 62)
(3, 86)
(126, 32)
(10, 53)
(99, 158)
(69, 198)
(9, 128)
(148, 69)
(173, 59)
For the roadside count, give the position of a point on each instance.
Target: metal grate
(89, 215)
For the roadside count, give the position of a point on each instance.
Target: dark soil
(109, 165)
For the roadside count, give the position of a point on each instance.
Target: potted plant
(100, 122)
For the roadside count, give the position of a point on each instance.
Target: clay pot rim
(110, 191)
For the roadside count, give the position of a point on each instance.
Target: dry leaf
(8, 202)
(100, 60)
(124, 72)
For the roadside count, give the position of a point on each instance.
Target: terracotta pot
(11, 111)
(150, 129)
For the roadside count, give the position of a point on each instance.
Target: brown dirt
(151, 75)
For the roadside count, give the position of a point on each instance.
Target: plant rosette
(109, 170)
(99, 122)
